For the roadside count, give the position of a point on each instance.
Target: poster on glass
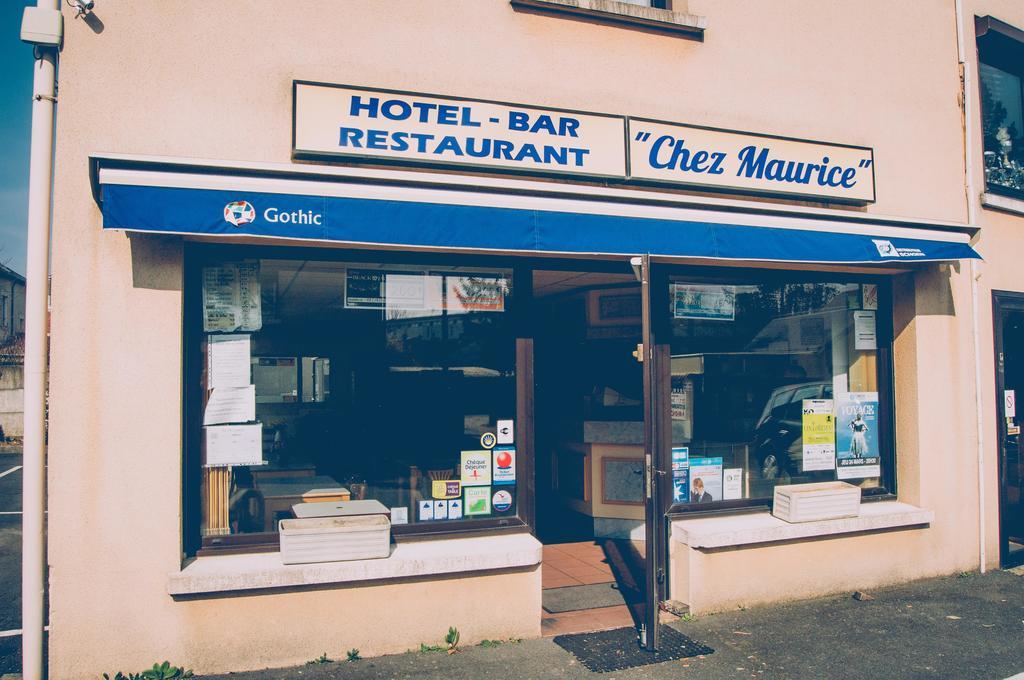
(476, 293)
(690, 301)
(680, 474)
(231, 298)
(819, 435)
(375, 289)
(857, 452)
(705, 480)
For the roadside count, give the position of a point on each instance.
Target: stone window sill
(749, 529)
(622, 13)
(1004, 203)
(258, 571)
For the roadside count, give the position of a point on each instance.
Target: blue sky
(15, 124)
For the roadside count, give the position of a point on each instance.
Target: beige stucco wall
(720, 580)
(1001, 242)
(282, 628)
(213, 80)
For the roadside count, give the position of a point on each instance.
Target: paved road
(10, 561)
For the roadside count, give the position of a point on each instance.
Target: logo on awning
(239, 213)
(885, 248)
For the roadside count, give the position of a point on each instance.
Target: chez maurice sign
(333, 121)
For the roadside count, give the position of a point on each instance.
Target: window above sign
(663, 16)
(1001, 76)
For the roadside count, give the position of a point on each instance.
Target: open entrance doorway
(1009, 338)
(589, 424)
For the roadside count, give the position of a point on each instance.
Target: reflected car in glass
(778, 437)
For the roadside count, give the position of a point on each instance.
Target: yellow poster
(819, 435)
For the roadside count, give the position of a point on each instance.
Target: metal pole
(967, 91)
(33, 543)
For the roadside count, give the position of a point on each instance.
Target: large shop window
(1001, 72)
(324, 381)
(777, 383)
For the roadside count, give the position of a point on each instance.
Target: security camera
(82, 7)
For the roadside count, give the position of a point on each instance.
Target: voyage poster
(857, 453)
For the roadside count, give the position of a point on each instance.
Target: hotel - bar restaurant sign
(334, 121)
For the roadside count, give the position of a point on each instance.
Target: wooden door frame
(657, 444)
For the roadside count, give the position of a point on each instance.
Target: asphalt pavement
(960, 626)
(10, 562)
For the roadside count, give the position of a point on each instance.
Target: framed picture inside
(613, 307)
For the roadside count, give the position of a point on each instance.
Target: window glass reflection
(766, 380)
(370, 381)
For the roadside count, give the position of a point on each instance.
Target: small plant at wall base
(323, 658)
(159, 671)
(452, 639)
(424, 648)
(353, 655)
(451, 643)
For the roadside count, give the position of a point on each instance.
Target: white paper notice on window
(227, 361)
(231, 298)
(399, 515)
(864, 331)
(230, 405)
(506, 432)
(732, 483)
(249, 300)
(220, 299)
(234, 445)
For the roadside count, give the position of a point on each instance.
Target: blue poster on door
(680, 474)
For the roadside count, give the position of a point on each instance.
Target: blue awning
(580, 228)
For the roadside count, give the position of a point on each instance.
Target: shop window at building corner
(1001, 86)
(777, 382)
(324, 381)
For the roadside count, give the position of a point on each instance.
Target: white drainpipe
(33, 546)
(972, 198)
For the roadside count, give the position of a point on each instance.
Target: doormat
(617, 650)
(577, 598)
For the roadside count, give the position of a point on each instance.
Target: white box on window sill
(334, 539)
(815, 502)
